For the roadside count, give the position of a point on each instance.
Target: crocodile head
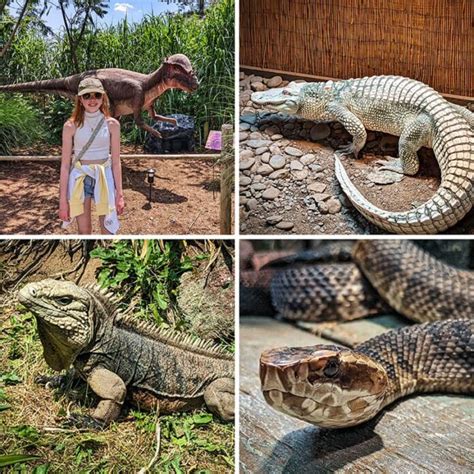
(65, 316)
(284, 99)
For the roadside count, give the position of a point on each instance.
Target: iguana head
(284, 99)
(65, 315)
(179, 73)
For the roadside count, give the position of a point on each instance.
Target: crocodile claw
(391, 164)
(349, 149)
(80, 421)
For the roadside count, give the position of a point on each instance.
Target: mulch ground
(185, 198)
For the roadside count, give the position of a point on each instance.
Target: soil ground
(185, 198)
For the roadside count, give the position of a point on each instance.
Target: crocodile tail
(66, 87)
(452, 201)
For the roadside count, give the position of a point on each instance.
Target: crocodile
(129, 92)
(416, 113)
(121, 358)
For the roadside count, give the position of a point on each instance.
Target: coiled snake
(335, 387)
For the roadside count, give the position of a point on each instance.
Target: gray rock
(300, 175)
(244, 181)
(334, 205)
(317, 187)
(275, 81)
(315, 168)
(258, 143)
(276, 136)
(308, 159)
(246, 164)
(320, 197)
(292, 151)
(256, 136)
(245, 154)
(243, 136)
(271, 193)
(265, 157)
(257, 187)
(261, 150)
(258, 86)
(283, 173)
(243, 127)
(264, 169)
(252, 204)
(320, 131)
(295, 165)
(285, 225)
(277, 162)
(272, 220)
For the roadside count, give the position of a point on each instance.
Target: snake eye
(332, 368)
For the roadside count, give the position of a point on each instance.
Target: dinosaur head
(64, 313)
(284, 99)
(179, 73)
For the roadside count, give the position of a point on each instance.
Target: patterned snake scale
(335, 387)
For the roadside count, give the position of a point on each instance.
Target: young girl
(92, 173)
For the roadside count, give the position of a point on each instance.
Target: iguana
(118, 356)
(403, 107)
(128, 92)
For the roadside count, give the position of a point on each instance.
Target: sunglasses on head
(95, 95)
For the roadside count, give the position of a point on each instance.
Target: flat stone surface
(272, 220)
(259, 143)
(246, 163)
(275, 81)
(277, 162)
(317, 187)
(264, 169)
(295, 165)
(308, 159)
(245, 181)
(285, 225)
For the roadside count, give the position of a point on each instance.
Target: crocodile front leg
(352, 124)
(219, 398)
(416, 134)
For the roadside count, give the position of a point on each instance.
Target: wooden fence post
(227, 179)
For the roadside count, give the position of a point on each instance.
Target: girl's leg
(84, 221)
(103, 230)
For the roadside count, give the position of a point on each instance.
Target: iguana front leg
(219, 398)
(352, 124)
(154, 116)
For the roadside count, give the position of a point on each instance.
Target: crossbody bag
(89, 142)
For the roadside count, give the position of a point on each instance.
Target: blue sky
(134, 9)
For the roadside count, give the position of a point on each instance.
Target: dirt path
(185, 198)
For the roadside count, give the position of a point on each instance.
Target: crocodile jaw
(283, 99)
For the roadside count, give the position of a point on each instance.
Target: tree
(84, 11)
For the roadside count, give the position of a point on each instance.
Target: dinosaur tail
(51, 86)
(454, 148)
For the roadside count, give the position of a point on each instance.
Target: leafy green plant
(19, 124)
(147, 272)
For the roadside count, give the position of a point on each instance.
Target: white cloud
(123, 7)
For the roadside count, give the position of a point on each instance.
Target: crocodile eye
(332, 368)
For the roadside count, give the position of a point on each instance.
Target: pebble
(272, 220)
(317, 187)
(261, 150)
(292, 151)
(275, 81)
(258, 86)
(258, 143)
(246, 164)
(295, 165)
(276, 136)
(257, 187)
(277, 162)
(245, 154)
(285, 225)
(265, 157)
(271, 193)
(264, 169)
(244, 181)
(252, 204)
(308, 159)
(319, 131)
(334, 205)
(300, 175)
(283, 173)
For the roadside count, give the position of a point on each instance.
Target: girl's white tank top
(100, 147)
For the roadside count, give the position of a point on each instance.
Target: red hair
(77, 115)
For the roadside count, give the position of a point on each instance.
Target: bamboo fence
(428, 40)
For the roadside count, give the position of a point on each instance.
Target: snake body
(335, 387)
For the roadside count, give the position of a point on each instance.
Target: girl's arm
(114, 128)
(68, 132)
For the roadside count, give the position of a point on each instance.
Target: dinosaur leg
(219, 398)
(353, 125)
(159, 118)
(415, 135)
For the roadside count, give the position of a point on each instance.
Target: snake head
(329, 386)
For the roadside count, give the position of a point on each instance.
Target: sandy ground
(185, 198)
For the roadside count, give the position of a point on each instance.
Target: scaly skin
(403, 107)
(118, 356)
(129, 92)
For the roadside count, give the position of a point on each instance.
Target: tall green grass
(141, 47)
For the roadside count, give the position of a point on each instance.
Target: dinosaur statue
(403, 107)
(119, 357)
(128, 92)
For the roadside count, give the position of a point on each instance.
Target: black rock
(175, 139)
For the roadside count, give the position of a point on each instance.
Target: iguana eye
(64, 300)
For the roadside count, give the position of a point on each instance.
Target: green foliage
(208, 41)
(20, 123)
(145, 271)
(9, 459)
